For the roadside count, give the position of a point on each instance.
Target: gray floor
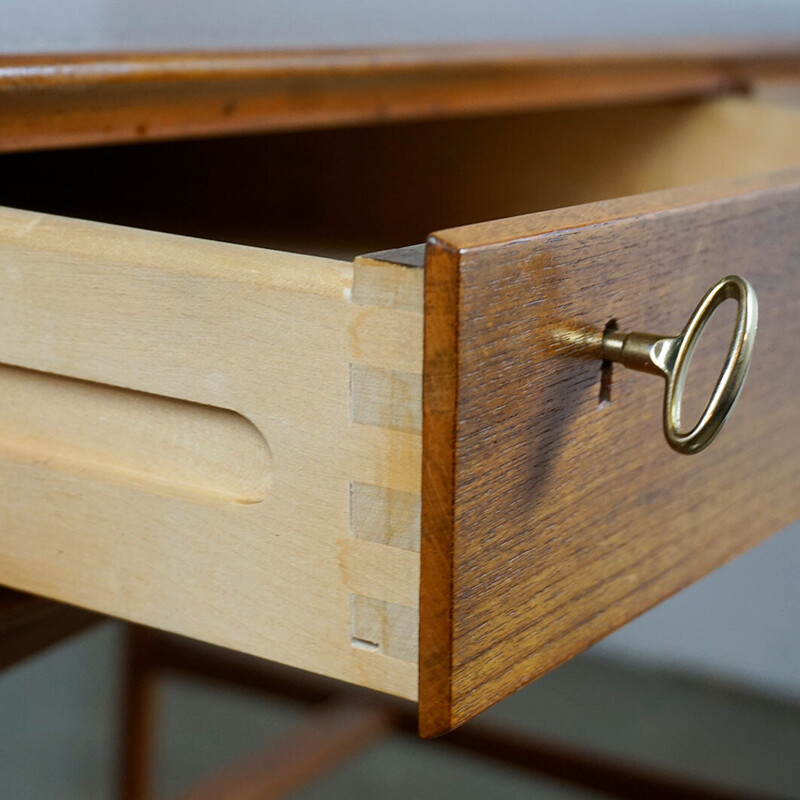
(57, 732)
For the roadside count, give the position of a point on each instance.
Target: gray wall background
(44, 25)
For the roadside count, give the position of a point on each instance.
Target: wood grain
(146, 379)
(547, 520)
(66, 100)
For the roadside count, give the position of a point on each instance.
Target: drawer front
(200, 437)
(548, 520)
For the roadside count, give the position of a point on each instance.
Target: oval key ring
(671, 356)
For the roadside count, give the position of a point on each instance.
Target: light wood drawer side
(182, 443)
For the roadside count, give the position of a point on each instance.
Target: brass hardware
(670, 357)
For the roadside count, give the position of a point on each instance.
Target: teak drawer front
(549, 521)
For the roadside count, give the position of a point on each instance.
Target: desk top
(66, 100)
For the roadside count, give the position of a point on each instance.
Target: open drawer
(394, 472)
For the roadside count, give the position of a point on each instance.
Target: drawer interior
(342, 192)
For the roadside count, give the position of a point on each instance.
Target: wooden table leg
(139, 714)
(520, 750)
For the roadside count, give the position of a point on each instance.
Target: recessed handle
(670, 357)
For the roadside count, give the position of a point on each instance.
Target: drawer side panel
(196, 398)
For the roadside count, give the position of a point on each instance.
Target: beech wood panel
(549, 520)
(67, 100)
(177, 446)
